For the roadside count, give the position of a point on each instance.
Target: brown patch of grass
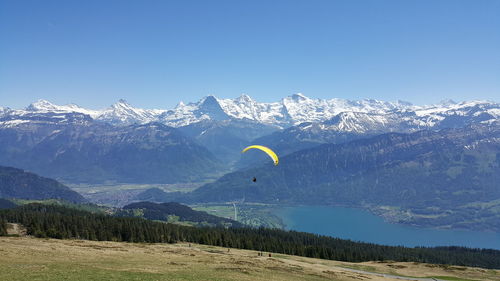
(24, 258)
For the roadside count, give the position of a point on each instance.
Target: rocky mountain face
(19, 184)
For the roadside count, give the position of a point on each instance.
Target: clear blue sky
(155, 53)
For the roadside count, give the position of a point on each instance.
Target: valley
(118, 195)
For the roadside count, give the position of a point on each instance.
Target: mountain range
(289, 111)
(351, 125)
(225, 126)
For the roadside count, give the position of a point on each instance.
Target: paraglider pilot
(267, 150)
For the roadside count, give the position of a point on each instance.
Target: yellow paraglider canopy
(266, 150)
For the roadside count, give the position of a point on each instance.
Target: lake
(361, 225)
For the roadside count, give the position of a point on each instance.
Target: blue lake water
(360, 225)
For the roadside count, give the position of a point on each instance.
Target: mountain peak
(211, 108)
(41, 105)
(404, 103)
(123, 113)
(447, 102)
(180, 104)
(299, 97)
(121, 103)
(244, 98)
(209, 99)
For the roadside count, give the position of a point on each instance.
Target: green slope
(17, 183)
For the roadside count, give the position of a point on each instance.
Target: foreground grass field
(24, 258)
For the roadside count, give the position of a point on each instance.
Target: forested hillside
(6, 204)
(60, 222)
(76, 149)
(17, 183)
(172, 212)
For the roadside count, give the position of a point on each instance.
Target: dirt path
(16, 229)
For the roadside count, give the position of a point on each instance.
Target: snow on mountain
(44, 112)
(303, 109)
(12, 123)
(207, 108)
(43, 106)
(370, 117)
(289, 111)
(335, 114)
(181, 115)
(244, 107)
(122, 113)
(361, 122)
(477, 111)
(462, 108)
(4, 111)
(494, 112)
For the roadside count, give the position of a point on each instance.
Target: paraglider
(267, 150)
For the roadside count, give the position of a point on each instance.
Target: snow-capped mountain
(43, 106)
(303, 109)
(244, 107)
(207, 108)
(122, 113)
(3, 110)
(360, 116)
(444, 115)
(291, 110)
(352, 115)
(412, 118)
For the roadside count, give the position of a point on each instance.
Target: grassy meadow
(24, 258)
